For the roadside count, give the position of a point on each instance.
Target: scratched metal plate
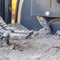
(41, 7)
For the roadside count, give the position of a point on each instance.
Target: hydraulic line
(19, 11)
(17, 6)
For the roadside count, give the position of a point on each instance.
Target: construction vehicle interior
(29, 29)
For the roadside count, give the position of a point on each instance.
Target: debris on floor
(24, 44)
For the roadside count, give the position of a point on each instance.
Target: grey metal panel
(55, 8)
(2, 8)
(7, 11)
(27, 20)
(41, 7)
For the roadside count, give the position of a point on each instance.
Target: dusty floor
(37, 48)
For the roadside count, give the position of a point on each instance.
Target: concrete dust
(46, 48)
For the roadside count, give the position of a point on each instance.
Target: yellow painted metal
(12, 21)
(14, 6)
(14, 2)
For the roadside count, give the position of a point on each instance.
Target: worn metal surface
(50, 8)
